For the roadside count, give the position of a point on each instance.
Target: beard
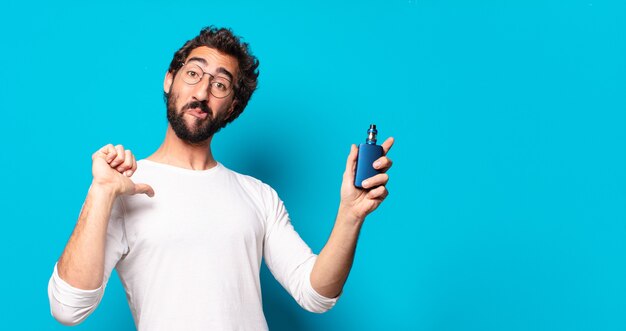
(201, 129)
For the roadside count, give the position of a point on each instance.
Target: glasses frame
(231, 87)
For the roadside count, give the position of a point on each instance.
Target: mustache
(197, 104)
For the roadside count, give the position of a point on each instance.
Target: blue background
(508, 193)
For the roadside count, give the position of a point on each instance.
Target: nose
(201, 89)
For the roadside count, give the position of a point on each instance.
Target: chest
(210, 219)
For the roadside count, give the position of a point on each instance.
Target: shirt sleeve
(289, 258)
(70, 305)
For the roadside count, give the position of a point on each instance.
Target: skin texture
(82, 262)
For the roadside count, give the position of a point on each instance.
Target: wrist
(346, 215)
(102, 190)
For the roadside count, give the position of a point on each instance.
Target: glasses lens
(192, 74)
(220, 87)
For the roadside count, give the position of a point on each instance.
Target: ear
(167, 82)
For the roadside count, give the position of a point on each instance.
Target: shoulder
(249, 183)
(261, 194)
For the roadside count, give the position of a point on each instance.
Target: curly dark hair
(223, 40)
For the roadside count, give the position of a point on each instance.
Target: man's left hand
(356, 202)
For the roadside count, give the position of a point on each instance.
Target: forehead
(215, 59)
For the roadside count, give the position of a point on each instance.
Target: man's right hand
(112, 167)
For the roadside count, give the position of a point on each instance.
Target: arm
(82, 263)
(76, 286)
(334, 262)
(289, 258)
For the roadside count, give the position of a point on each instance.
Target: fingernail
(364, 183)
(376, 164)
(128, 173)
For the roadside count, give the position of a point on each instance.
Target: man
(186, 234)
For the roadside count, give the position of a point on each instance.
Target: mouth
(197, 112)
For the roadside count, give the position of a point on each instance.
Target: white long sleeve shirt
(189, 258)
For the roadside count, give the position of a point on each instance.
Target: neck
(179, 153)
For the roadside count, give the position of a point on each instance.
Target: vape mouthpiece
(371, 135)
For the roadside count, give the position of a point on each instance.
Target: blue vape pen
(368, 153)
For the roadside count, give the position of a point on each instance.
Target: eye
(192, 74)
(220, 86)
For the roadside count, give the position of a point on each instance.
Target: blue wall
(508, 194)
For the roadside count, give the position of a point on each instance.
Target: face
(192, 111)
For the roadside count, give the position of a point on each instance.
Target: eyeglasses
(219, 87)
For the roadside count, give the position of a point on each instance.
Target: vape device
(368, 153)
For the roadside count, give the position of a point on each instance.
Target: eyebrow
(219, 69)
